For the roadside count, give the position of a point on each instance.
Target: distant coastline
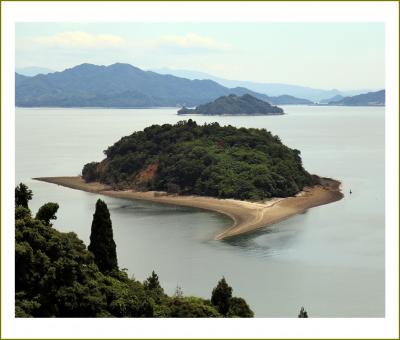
(234, 105)
(246, 216)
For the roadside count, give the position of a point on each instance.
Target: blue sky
(324, 55)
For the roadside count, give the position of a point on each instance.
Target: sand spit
(247, 216)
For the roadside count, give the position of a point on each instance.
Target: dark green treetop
(47, 212)
(89, 171)
(102, 243)
(153, 287)
(303, 313)
(152, 281)
(221, 296)
(228, 306)
(22, 195)
(238, 307)
(191, 307)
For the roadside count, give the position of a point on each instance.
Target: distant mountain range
(124, 85)
(332, 99)
(272, 89)
(234, 105)
(33, 71)
(367, 99)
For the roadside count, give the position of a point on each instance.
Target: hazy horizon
(320, 55)
(37, 69)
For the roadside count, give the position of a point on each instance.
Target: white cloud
(191, 41)
(80, 39)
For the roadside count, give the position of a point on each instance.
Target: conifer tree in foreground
(22, 195)
(303, 313)
(221, 296)
(102, 243)
(152, 282)
(228, 305)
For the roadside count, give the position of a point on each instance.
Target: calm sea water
(329, 259)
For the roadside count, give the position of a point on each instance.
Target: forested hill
(234, 105)
(209, 160)
(122, 85)
(367, 99)
(57, 276)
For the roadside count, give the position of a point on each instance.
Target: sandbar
(246, 216)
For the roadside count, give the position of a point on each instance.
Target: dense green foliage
(47, 212)
(89, 171)
(153, 287)
(22, 195)
(56, 276)
(234, 105)
(102, 243)
(238, 307)
(222, 300)
(208, 160)
(221, 296)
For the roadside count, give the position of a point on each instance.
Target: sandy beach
(246, 216)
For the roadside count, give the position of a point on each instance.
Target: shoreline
(246, 216)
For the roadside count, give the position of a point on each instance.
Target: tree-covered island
(234, 105)
(206, 160)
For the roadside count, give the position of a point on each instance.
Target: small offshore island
(246, 174)
(234, 105)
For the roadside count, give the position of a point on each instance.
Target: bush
(89, 172)
(47, 212)
(238, 307)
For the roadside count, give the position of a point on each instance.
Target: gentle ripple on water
(317, 259)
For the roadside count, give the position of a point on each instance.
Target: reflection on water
(146, 208)
(329, 259)
(269, 241)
